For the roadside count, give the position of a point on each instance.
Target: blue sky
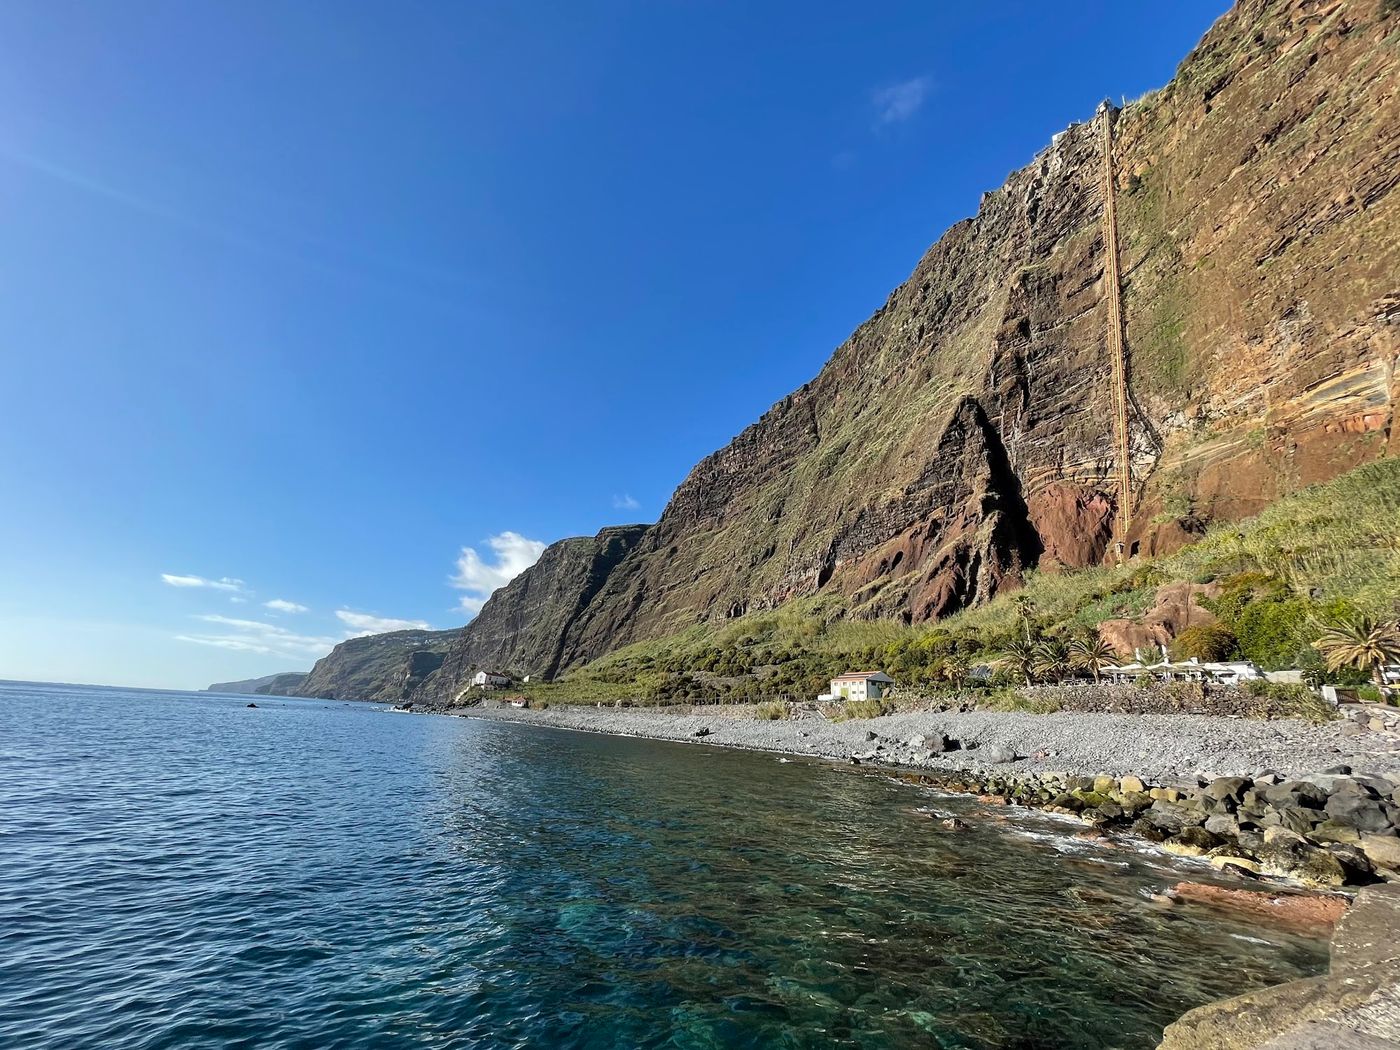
(301, 300)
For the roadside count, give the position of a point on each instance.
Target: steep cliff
(964, 433)
(522, 627)
(390, 666)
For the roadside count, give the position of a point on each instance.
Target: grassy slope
(1328, 548)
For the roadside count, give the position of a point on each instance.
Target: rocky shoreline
(1318, 804)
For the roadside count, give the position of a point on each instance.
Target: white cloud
(513, 555)
(363, 623)
(282, 605)
(625, 502)
(224, 583)
(256, 636)
(899, 102)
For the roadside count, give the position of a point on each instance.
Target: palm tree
(954, 671)
(1025, 611)
(1363, 643)
(1090, 654)
(1051, 659)
(1020, 653)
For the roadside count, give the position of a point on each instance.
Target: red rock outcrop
(1177, 606)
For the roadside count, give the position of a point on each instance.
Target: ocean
(179, 870)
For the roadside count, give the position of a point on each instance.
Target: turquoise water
(180, 871)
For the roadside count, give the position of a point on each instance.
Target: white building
(1231, 672)
(860, 685)
(489, 680)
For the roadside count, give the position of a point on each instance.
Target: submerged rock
(1307, 910)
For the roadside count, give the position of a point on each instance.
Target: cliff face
(385, 667)
(283, 684)
(523, 626)
(1261, 254)
(964, 433)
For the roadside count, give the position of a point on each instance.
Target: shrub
(1015, 700)
(1204, 641)
(864, 709)
(1289, 700)
(771, 711)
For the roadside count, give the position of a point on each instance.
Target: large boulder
(1359, 811)
(1295, 793)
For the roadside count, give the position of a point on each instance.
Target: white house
(489, 680)
(860, 685)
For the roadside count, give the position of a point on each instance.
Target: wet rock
(1146, 829)
(250, 705)
(1235, 864)
(954, 824)
(1299, 910)
(1310, 865)
(1173, 816)
(1191, 842)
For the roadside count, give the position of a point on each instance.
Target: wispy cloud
(282, 605)
(364, 623)
(223, 583)
(897, 103)
(625, 502)
(257, 636)
(513, 555)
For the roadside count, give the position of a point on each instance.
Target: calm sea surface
(180, 871)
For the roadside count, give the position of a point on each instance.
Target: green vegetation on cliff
(1327, 551)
